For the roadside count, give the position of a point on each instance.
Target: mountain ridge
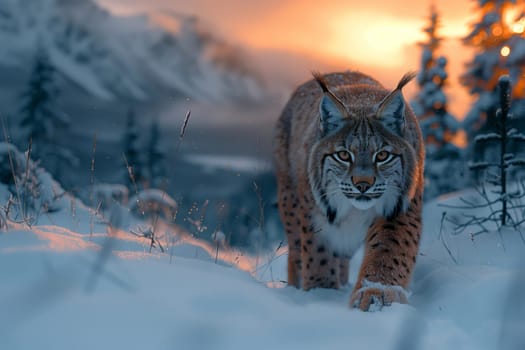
(113, 57)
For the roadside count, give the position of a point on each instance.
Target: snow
(81, 75)
(212, 163)
(85, 278)
(153, 202)
(487, 136)
(516, 162)
(112, 57)
(517, 136)
(106, 195)
(72, 281)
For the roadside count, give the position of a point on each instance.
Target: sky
(373, 36)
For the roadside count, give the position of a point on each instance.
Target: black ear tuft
(321, 81)
(405, 80)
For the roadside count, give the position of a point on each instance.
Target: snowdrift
(73, 280)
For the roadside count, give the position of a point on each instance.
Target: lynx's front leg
(287, 209)
(320, 267)
(390, 255)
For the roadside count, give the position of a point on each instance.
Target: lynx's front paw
(373, 296)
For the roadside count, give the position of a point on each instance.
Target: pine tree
(438, 126)
(41, 119)
(156, 158)
(499, 40)
(133, 176)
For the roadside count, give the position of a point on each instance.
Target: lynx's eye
(383, 156)
(343, 156)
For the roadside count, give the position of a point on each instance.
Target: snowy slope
(114, 57)
(73, 282)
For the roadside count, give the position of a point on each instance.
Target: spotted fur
(349, 165)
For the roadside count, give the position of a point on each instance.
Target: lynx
(349, 163)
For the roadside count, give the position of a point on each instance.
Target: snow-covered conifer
(438, 126)
(41, 118)
(498, 38)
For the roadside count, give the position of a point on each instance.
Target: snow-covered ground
(212, 163)
(73, 282)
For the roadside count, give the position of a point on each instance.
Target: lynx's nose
(363, 183)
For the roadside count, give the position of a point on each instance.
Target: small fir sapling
(503, 200)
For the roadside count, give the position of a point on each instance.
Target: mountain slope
(112, 57)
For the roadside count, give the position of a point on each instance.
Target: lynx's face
(361, 159)
(363, 170)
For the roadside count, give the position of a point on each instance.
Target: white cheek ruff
(389, 201)
(354, 217)
(343, 221)
(346, 236)
(348, 231)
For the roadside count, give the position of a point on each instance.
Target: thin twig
(261, 219)
(442, 238)
(26, 176)
(182, 131)
(92, 184)
(132, 177)
(13, 173)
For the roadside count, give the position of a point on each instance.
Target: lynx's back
(349, 157)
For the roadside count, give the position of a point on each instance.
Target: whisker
(327, 194)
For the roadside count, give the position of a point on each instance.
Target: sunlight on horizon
(381, 42)
(384, 40)
(369, 37)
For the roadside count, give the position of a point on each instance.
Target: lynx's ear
(391, 111)
(331, 109)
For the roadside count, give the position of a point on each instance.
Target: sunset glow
(381, 42)
(376, 36)
(375, 33)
